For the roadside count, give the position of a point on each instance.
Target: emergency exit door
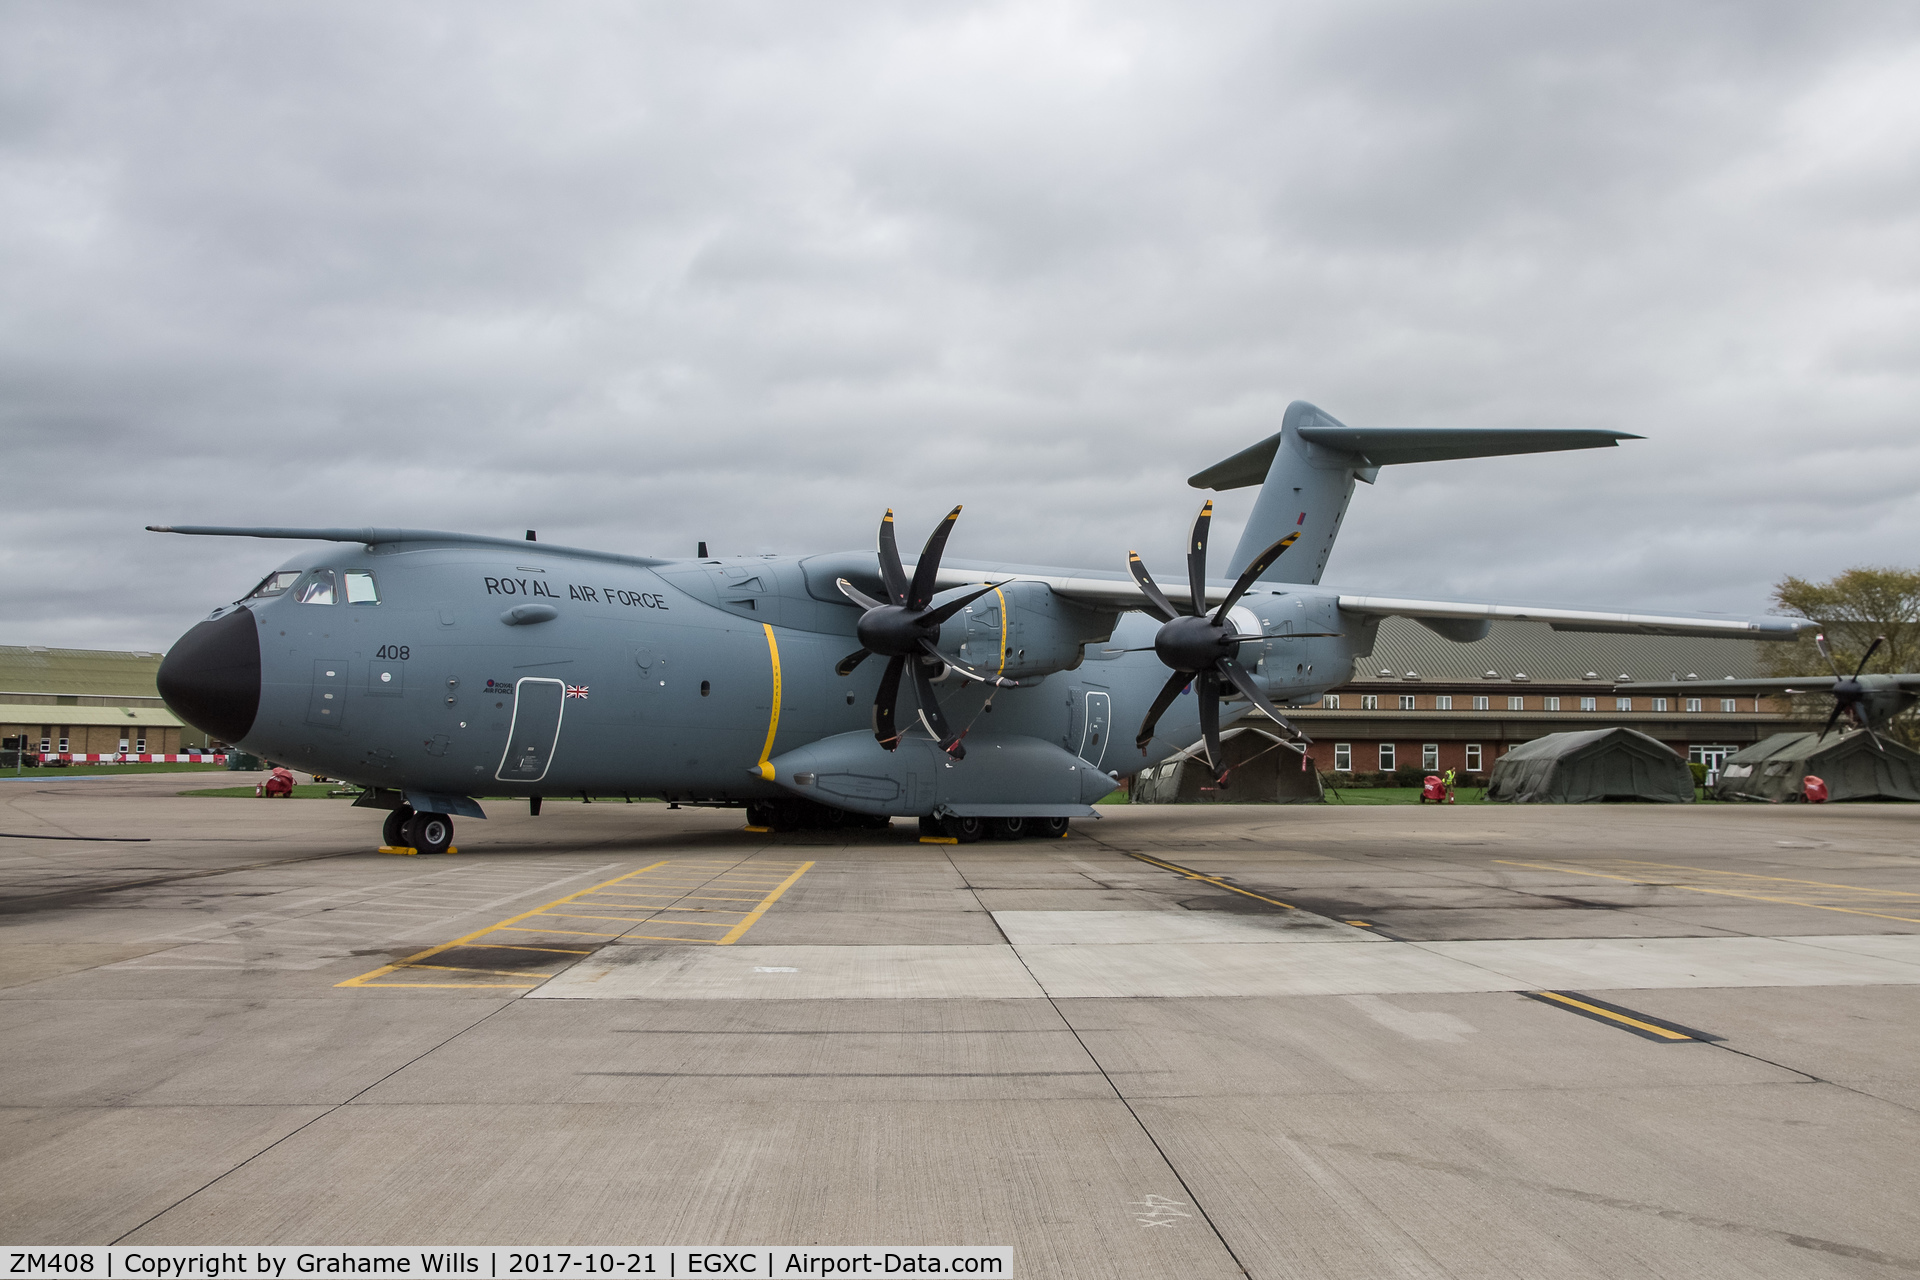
(535, 731)
(1094, 733)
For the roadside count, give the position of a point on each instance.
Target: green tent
(1261, 769)
(1776, 769)
(1588, 767)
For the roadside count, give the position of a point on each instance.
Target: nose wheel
(408, 832)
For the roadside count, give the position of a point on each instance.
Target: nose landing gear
(407, 832)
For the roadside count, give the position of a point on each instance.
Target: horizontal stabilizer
(1387, 446)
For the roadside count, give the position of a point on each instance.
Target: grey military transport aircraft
(433, 668)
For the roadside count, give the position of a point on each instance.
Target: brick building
(87, 702)
(1423, 702)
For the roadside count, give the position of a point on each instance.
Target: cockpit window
(318, 588)
(360, 588)
(274, 584)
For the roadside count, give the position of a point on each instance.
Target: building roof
(1540, 653)
(38, 713)
(110, 673)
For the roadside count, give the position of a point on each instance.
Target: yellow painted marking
(1191, 874)
(938, 840)
(580, 915)
(518, 946)
(467, 968)
(766, 771)
(366, 979)
(571, 933)
(754, 915)
(773, 716)
(1002, 598)
(1574, 869)
(1611, 1016)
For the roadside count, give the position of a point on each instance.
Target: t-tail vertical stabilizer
(1309, 468)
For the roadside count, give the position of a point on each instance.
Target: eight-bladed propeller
(904, 630)
(1849, 695)
(1201, 649)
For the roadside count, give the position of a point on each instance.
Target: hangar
(87, 702)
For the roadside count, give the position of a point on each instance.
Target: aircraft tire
(393, 832)
(965, 830)
(1048, 828)
(1006, 828)
(429, 832)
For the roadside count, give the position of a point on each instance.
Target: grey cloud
(637, 276)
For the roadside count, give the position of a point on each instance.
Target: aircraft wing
(1809, 684)
(1645, 624)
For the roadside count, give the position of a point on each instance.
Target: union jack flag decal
(576, 691)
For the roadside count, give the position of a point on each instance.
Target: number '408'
(398, 651)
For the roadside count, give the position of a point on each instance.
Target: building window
(1552, 704)
(1589, 704)
(1726, 704)
(1343, 757)
(124, 746)
(1406, 702)
(1480, 704)
(1386, 757)
(1331, 702)
(1429, 756)
(1659, 704)
(1473, 757)
(1369, 702)
(1443, 703)
(63, 746)
(1693, 704)
(1516, 704)
(1623, 704)
(46, 745)
(140, 746)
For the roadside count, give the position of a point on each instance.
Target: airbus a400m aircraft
(433, 668)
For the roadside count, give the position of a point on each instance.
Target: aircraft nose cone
(211, 676)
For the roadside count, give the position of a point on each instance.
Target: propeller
(1200, 648)
(1849, 695)
(905, 630)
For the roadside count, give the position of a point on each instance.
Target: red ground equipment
(278, 783)
(1434, 788)
(1816, 790)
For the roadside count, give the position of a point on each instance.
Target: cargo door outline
(1097, 724)
(538, 719)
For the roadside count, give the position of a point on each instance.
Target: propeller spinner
(1849, 695)
(1200, 648)
(905, 630)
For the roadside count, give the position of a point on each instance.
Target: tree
(1852, 608)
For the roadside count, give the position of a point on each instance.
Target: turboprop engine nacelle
(1023, 631)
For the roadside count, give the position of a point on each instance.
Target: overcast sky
(638, 275)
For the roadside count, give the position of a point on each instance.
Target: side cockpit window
(360, 588)
(274, 584)
(317, 588)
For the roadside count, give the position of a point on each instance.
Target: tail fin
(1310, 466)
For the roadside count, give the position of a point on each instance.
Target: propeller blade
(1157, 601)
(1208, 691)
(1262, 563)
(1871, 649)
(1838, 707)
(855, 594)
(930, 715)
(998, 682)
(891, 571)
(929, 566)
(1168, 692)
(1881, 746)
(1820, 643)
(846, 665)
(951, 607)
(1197, 557)
(1244, 683)
(886, 702)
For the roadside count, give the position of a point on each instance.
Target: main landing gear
(408, 832)
(969, 829)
